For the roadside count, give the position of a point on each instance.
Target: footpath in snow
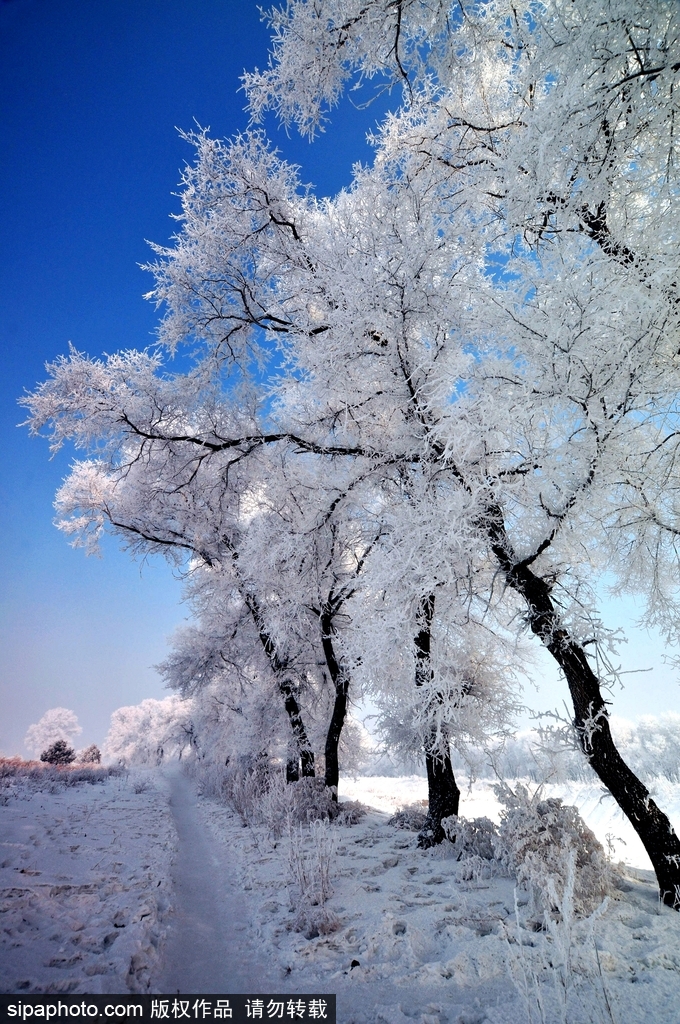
(208, 946)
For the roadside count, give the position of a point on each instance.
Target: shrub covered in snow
(311, 854)
(536, 840)
(244, 783)
(475, 838)
(58, 752)
(90, 755)
(18, 776)
(411, 817)
(474, 846)
(258, 792)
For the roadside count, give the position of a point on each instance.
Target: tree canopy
(427, 417)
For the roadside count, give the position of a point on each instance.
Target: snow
(208, 947)
(84, 884)
(432, 946)
(596, 805)
(118, 886)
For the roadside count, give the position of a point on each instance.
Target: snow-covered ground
(402, 935)
(410, 938)
(596, 805)
(84, 883)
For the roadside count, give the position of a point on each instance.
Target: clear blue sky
(91, 92)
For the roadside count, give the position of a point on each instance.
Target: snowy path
(207, 950)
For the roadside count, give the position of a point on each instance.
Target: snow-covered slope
(84, 883)
(407, 936)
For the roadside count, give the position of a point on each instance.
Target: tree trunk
(591, 719)
(279, 666)
(332, 776)
(443, 798)
(443, 795)
(305, 754)
(340, 681)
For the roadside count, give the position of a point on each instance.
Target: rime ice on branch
(459, 378)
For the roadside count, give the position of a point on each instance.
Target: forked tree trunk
(340, 680)
(591, 720)
(443, 795)
(280, 669)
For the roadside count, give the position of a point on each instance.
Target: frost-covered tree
(475, 346)
(90, 755)
(309, 557)
(289, 582)
(55, 724)
(230, 648)
(149, 732)
(551, 128)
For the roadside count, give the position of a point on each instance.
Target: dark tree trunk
(591, 719)
(340, 681)
(304, 757)
(332, 776)
(443, 795)
(305, 754)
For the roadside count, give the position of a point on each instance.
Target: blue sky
(91, 95)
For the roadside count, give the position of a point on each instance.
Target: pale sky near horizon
(92, 95)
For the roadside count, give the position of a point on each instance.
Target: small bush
(58, 753)
(259, 793)
(90, 755)
(311, 855)
(243, 786)
(210, 777)
(411, 817)
(349, 812)
(562, 979)
(474, 846)
(537, 838)
(475, 838)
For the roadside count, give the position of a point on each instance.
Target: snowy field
(401, 935)
(84, 884)
(596, 805)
